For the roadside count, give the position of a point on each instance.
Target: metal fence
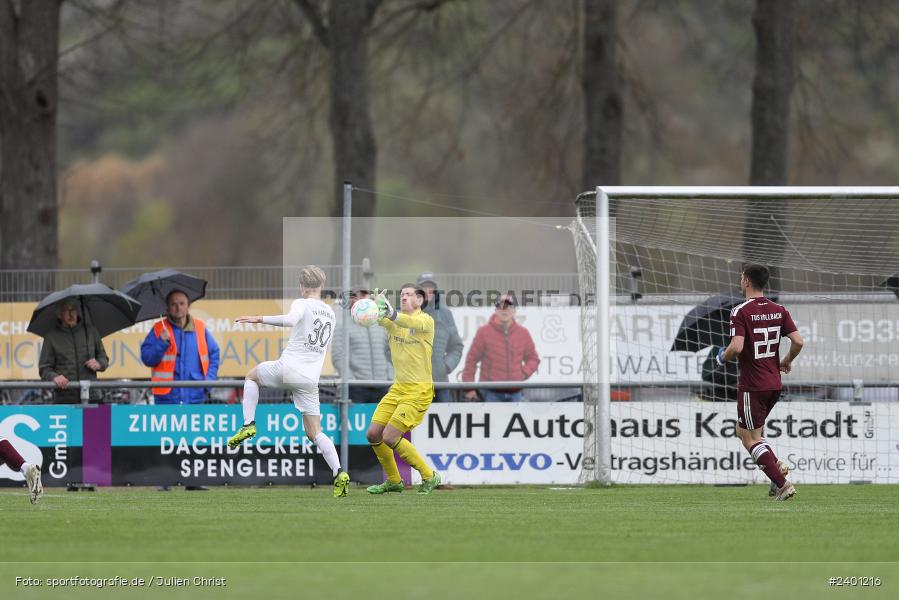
(225, 283)
(224, 391)
(265, 282)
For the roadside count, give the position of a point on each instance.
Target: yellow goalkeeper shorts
(403, 410)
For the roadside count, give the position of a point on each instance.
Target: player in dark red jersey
(756, 328)
(10, 457)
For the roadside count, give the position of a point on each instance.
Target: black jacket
(64, 353)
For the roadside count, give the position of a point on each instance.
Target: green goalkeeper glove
(385, 309)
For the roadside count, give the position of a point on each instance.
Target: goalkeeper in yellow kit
(411, 334)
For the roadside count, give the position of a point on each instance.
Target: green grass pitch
(537, 542)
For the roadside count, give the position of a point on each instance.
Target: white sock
(250, 400)
(24, 468)
(325, 444)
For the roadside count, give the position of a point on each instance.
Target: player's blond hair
(312, 277)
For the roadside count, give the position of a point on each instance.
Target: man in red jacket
(505, 351)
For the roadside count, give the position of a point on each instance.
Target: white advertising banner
(659, 442)
(641, 339)
(844, 341)
(556, 332)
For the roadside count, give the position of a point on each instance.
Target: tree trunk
(355, 153)
(603, 107)
(772, 86)
(29, 51)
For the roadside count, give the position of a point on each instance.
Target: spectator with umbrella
(179, 347)
(708, 325)
(73, 323)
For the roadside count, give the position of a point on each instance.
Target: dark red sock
(9, 456)
(770, 449)
(764, 458)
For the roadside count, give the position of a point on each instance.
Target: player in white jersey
(298, 369)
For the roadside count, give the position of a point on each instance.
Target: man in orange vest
(180, 348)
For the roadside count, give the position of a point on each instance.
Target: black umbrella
(891, 283)
(708, 324)
(723, 379)
(151, 290)
(99, 305)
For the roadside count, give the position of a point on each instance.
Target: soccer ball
(365, 312)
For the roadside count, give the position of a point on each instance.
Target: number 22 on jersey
(767, 347)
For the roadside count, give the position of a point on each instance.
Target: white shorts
(304, 393)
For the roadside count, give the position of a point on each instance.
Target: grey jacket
(369, 352)
(447, 342)
(65, 351)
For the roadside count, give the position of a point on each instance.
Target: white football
(365, 312)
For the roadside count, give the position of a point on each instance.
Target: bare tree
(771, 90)
(603, 107)
(345, 35)
(29, 51)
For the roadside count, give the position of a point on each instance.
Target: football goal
(661, 268)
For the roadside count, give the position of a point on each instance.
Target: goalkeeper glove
(385, 309)
(719, 358)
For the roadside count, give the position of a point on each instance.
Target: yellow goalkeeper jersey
(411, 345)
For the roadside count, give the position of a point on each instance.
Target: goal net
(675, 260)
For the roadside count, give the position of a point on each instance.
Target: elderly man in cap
(505, 351)
(447, 342)
(73, 351)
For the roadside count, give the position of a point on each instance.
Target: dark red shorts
(753, 407)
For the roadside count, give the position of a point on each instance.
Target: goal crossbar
(746, 191)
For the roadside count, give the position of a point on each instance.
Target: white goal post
(669, 249)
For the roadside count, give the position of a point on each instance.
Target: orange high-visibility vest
(165, 370)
